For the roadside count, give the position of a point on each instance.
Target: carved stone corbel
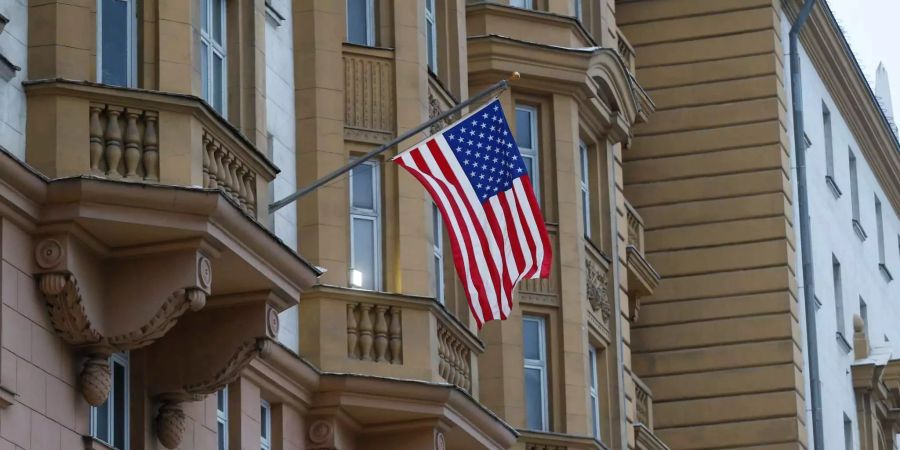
(170, 420)
(71, 321)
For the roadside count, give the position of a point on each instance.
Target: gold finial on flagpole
(515, 76)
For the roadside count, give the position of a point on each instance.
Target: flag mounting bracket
(499, 86)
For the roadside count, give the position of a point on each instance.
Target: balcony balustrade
(387, 335)
(78, 128)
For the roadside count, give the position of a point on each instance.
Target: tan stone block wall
(718, 342)
(49, 412)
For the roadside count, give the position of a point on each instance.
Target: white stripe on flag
(532, 229)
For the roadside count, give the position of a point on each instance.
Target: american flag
(475, 174)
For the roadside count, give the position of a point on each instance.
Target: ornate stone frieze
(597, 294)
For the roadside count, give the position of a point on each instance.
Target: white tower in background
(883, 92)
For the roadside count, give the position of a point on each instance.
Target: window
(361, 22)
(864, 315)
(594, 393)
(854, 199)
(879, 229)
(527, 140)
(576, 9)
(829, 149)
(431, 35)
(437, 248)
(265, 425)
(117, 42)
(585, 190)
(222, 418)
(535, 354)
(212, 53)
(838, 295)
(365, 224)
(522, 3)
(109, 421)
(848, 433)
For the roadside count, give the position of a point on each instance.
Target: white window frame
(585, 188)
(577, 9)
(438, 252)
(265, 426)
(540, 365)
(370, 23)
(837, 275)
(594, 392)
(531, 151)
(431, 24)
(214, 48)
(132, 38)
(222, 415)
(123, 360)
(528, 4)
(374, 216)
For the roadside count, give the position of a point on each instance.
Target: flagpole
(499, 86)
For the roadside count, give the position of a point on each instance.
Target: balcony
(391, 335)
(535, 440)
(642, 277)
(486, 18)
(626, 51)
(369, 94)
(543, 291)
(79, 128)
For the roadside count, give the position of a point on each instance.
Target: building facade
(723, 342)
(152, 300)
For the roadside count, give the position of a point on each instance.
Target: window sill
(7, 68)
(92, 443)
(842, 342)
(885, 272)
(829, 180)
(860, 232)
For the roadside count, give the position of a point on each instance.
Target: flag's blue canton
(486, 150)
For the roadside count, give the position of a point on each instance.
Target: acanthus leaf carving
(72, 324)
(597, 294)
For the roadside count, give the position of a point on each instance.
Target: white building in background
(13, 69)
(855, 231)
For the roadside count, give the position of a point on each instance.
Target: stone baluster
(247, 184)
(365, 331)
(213, 167)
(221, 179)
(206, 158)
(394, 330)
(151, 148)
(351, 331)
(235, 184)
(96, 131)
(228, 183)
(113, 139)
(442, 355)
(241, 196)
(132, 144)
(381, 329)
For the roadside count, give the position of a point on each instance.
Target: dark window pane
(534, 399)
(523, 128)
(357, 23)
(264, 422)
(221, 437)
(363, 195)
(102, 425)
(217, 16)
(204, 15)
(114, 45)
(204, 70)
(218, 81)
(220, 400)
(531, 339)
(120, 411)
